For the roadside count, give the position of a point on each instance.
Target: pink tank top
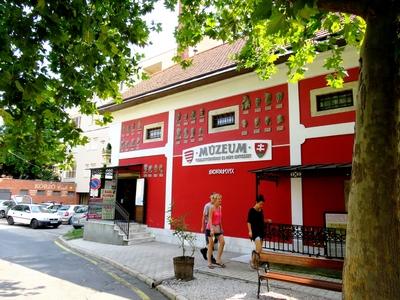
(216, 217)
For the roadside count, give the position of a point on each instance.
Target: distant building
(39, 191)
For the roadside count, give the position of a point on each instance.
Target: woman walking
(214, 231)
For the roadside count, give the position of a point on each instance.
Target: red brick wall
(47, 187)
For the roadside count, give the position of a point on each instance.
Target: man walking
(204, 220)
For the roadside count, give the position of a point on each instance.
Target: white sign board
(228, 152)
(139, 192)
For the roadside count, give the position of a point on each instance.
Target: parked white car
(32, 214)
(5, 205)
(66, 212)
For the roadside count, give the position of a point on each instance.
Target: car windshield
(64, 207)
(81, 210)
(38, 209)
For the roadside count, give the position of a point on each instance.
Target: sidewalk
(152, 263)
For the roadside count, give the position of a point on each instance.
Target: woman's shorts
(208, 234)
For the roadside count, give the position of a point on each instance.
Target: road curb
(166, 291)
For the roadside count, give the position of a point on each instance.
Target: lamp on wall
(106, 153)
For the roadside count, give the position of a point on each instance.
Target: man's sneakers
(204, 253)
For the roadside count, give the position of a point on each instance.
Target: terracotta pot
(183, 267)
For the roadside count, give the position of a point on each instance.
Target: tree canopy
(56, 56)
(296, 31)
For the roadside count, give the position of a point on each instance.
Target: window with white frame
(223, 119)
(328, 100)
(153, 132)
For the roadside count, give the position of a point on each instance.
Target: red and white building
(192, 132)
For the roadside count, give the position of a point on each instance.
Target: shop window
(328, 100)
(71, 194)
(223, 119)
(23, 192)
(56, 193)
(41, 193)
(153, 132)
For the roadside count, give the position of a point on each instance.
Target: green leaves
(56, 55)
(272, 29)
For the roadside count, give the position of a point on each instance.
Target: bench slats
(303, 261)
(322, 284)
(297, 260)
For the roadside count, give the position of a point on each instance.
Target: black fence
(308, 240)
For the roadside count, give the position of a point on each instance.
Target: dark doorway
(126, 191)
(126, 196)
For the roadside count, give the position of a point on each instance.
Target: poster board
(336, 220)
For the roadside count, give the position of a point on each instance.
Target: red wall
(132, 133)
(155, 188)
(305, 86)
(193, 185)
(320, 195)
(277, 206)
(333, 149)
(278, 136)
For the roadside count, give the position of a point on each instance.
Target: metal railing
(122, 219)
(308, 240)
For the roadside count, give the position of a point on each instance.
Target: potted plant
(184, 264)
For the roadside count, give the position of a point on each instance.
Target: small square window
(57, 193)
(41, 193)
(153, 132)
(223, 119)
(23, 192)
(327, 100)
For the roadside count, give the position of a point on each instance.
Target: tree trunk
(372, 265)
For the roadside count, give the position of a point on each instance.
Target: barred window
(223, 120)
(153, 132)
(335, 100)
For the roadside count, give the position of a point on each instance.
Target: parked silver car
(80, 217)
(66, 212)
(5, 205)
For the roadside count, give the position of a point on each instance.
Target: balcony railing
(308, 240)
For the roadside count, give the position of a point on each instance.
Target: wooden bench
(296, 260)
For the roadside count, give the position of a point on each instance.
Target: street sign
(95, 183)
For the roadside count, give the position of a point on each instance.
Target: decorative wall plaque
(185, 119)
(193, 115)
(256, 122)
(279, 98)
(201, 113)
(267, 121)
(246, 103)
(160, 170)
(201, 131)
(178, 117)
(192, 132)
(150, 171)
(155, 170)
(268, 99)
(258, 104)
(185, 133)
(244, 123)
(279, 120)
(178, 133)
(139, 125)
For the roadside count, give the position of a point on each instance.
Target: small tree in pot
(183, 265)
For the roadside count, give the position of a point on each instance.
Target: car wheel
(2, 214)
(70, 221)
(34, 224)
(56, 226)
(77, 227)
(10, 221)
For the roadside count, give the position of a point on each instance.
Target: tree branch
(355, 7)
